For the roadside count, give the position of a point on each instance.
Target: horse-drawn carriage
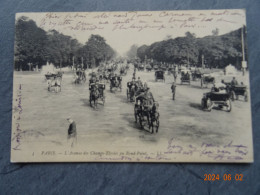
(155, 67)
(54, 81)
(148, 68)
(207, 79)
(163, 68)
(115, 82)
(50, 75)
(146, 114)
(131, 91)
(80, 77)
(196, 74)
(96, 93)
(141, 67)
(123, 71)
(159, 75)
(213, 99)
(185, 77)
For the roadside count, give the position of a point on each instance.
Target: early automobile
(159, 75)
(216, 99)
(237, 90)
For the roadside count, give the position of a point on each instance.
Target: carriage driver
(147, 98)
(139, 82)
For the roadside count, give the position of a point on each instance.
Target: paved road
(112, 125)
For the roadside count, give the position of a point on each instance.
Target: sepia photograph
(140, 86)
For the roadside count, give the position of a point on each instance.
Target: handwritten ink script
(139, 21)
(226, 152)
(17, 133)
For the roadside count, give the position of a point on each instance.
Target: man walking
(72, 132)
(173, 88)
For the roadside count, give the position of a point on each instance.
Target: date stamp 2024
(225, 177)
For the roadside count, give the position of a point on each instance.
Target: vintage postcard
(148, 86)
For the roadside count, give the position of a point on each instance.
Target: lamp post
(244, 63)
(202, 61)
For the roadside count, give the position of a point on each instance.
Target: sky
(121, 30)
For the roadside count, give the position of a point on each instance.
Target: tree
(96, 50)
(30, 44)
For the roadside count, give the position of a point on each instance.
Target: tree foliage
(218, 51)
(34, 46)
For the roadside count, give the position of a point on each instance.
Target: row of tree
(35, 47)
(213, 51)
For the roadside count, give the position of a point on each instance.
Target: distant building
(230, 69)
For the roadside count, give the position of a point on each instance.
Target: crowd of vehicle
(145, 107)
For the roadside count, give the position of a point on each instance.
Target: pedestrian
(173, 88)
(72, 132)
(175, 75)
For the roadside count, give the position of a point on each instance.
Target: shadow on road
(121, 97)
(85, 102)
(196, 105)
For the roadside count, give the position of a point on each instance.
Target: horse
(151, 113)
(154, 117)
(94, 95)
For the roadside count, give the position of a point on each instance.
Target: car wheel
(228, 102)
(209, 104)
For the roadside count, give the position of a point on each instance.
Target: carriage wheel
(246, 96)
(209, 104)
(228, 102)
